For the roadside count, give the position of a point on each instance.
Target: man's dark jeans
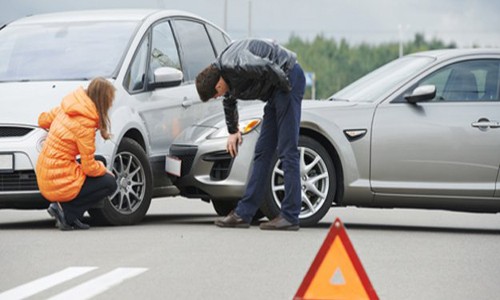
(279, 132)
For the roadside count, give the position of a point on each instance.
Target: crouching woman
(73, 186)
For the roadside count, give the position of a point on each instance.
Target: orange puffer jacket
(72, 129)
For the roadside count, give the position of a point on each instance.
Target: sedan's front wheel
(318, 183)
(224, 207)
(131, 200)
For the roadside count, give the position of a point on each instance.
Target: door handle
(483, 124)
(186, 102)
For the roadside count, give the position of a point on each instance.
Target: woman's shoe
(77, 224)
(51, 211)
(56, 211)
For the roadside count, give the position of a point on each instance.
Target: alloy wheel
(131, 180)
(314, 180)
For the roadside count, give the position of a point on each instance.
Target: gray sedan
(422, 131)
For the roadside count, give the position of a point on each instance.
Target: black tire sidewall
(224, 207)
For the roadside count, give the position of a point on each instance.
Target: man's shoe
(279, 223)
(77, 224)
(55, 210)
(232, 220)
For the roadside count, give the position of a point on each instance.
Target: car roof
(444, 54)
(99, 15)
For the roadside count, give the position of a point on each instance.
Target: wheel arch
(330, 148)
(136, 135)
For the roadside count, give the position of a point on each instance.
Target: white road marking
(99, 284)
(44, 283)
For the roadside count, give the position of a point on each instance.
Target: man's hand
(233, 141)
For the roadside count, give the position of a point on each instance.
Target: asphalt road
(177, 253)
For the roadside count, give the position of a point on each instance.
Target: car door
(183, 44)
(449, 146)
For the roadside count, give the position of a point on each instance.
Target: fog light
(39, 144)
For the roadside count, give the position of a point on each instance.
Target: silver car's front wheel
(318, 184)
(131, 180)
(130, 202)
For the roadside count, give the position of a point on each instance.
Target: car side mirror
(167, 77)
(422, 93)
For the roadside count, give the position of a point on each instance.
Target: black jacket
(253, 69)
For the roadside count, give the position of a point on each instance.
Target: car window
(135, 78)
(474, 80)
(163, 49)
(219, 39)
(383, 80)
(196, 47)
(63, 51)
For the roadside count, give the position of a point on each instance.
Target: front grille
(18, 181)
(11, 131)
(222, 164)
(186, 154)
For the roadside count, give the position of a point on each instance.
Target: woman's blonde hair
(102, 93)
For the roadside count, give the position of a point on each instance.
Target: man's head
(210, 84)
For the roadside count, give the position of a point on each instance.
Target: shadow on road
(180, 219)
(208, 220)
(31, 225)
(416, 228)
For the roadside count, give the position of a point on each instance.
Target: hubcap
(314, 181)
(130, 178)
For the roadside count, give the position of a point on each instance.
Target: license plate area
(6, 163)
(173, 165)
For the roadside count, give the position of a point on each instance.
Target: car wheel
(129, 204)
(224, 207)
(318, 181)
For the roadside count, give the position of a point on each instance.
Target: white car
(151, 56)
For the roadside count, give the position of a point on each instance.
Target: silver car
(151, 57)
(422, 131)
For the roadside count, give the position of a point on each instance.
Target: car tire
(318, 183)
(129, 204)
(224, 207)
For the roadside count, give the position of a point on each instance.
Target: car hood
(306, 104)
(199, 131)
(256, 110)
(22, 102)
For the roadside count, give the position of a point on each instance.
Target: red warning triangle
(336, 272)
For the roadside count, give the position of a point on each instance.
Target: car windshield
(383, 80)
(63, 51)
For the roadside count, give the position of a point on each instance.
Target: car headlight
(244, 126)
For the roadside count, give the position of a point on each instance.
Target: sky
(466, 22)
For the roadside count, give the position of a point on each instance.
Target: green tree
(336, 64)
